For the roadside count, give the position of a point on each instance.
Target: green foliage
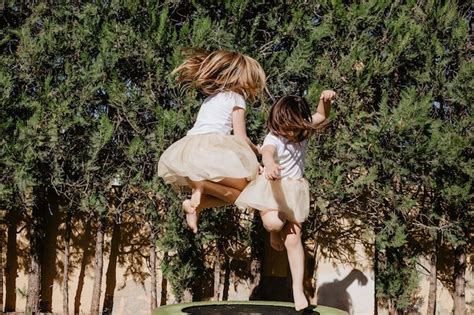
(86, 96)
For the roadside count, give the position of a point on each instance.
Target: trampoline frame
(176, 309)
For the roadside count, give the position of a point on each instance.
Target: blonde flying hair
(221, 70)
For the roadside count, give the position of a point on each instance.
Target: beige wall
(347, 286)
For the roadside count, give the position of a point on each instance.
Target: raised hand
(324, 107)
(327, 95)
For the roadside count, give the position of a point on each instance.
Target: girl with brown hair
(210, 161)
(281, 192)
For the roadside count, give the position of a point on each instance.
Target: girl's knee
(272, 222)
(292, 240)
(292, 234)
(273, 226)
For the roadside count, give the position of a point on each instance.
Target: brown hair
(290, 117)
(221, 70)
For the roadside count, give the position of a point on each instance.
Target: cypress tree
(86, 100)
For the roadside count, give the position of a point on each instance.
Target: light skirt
(210, 156)
(289, 196)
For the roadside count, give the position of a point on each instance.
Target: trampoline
(243, 308)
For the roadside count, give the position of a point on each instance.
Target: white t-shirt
(289, 155)
(215, 114)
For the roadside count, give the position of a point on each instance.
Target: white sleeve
(237, 100)
(272, 140)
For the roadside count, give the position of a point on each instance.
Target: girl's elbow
(242, 135)
(323, 124)
(246, 139)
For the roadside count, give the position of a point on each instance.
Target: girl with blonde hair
(215, 164)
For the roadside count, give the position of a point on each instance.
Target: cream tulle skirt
(207, 157)
(289, 196)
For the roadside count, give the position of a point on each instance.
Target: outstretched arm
(324, 107)
(238, 121)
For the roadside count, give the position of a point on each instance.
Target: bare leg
(220, 191)
(273, 221)
(215, 195)
(192, 214)
(291, 234)
(227, 189)
(237, 183)
(197, 191)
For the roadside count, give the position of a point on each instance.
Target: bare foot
(191, 215)
(300, 300)
(276, 242)
(196, 197)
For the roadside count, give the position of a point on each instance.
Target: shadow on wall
(127, 246)
(335, 293)
(130, 254)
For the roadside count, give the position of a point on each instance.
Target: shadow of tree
(130, 253)
(53, 219)
(128, 249)
(228, 228)
(110, 276)
(80, 242)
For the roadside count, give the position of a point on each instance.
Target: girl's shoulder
(230, 97)
(284, 142)
(274, 139)
(230, 93)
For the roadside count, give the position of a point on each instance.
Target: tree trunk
(34, 284)
(433, 282)
(459, 281)
(226, 282)
(67, 238)
(153, 271)
(111, 277)
(98, 266)
(36, 236)
(187, 296)
(2, 239)
(376, 270)
(164, 286)
(153, 289)
(256, 257)
(392, 310)
(314, 275)
(11, 263)
(217, 278)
